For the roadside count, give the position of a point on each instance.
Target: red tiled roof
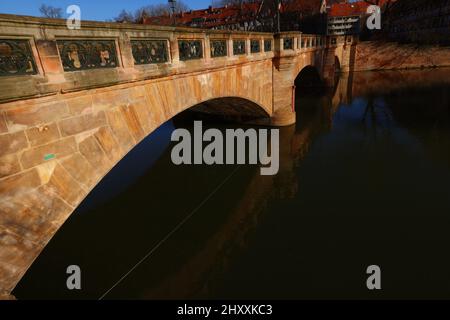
(210, 17)
(354, 8)
(348, 9)
(304, 6)
(213, 17)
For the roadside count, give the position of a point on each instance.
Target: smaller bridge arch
(309, 77)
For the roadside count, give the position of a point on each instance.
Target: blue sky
(90, 9)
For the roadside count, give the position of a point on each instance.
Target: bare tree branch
(150, 11)
(51, 12)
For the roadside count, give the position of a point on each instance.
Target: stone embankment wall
(389, 56)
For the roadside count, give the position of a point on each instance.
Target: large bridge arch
(63, 152)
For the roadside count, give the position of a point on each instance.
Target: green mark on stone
(49, 156)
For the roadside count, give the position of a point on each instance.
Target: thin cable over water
(171, 232)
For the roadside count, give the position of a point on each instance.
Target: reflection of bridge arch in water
(200, 271)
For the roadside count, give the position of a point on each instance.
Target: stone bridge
(74, 102)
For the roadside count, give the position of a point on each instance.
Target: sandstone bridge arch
(101, 127)
(65, 124)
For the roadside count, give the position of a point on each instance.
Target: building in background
(346, 18)
(308, 16)
(243, 17)
(419, 21)
(332, 17)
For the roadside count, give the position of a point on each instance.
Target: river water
(364, 180)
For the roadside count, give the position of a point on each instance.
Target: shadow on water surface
(364, 179)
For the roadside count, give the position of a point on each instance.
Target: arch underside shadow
(231, 108)
(309, 78)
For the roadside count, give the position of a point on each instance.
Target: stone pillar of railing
(283, 79)
(348, 55)
(49, 57)
(174, 49)
(126, 51)
(207, 54)
(248, 46)
(230, 46)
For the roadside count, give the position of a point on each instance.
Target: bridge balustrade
(52, 58)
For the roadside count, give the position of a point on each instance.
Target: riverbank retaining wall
(391, 55)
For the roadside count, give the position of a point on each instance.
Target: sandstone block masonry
(393, 56)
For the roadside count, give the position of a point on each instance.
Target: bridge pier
(329, 69)
(339, 57)
(283, 93)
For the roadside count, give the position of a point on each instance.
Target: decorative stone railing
(43, 57)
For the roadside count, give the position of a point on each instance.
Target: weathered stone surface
(43, 134)
(33, 115)
(54, 150)
(136, 93)
(80, 169)
(109, 144)
(3, 127)
(9, 276)
(131, 119)
(75, 125)
(154, 99)
(93, 153)
(36, 114)
(120, 128)
(9, 165)
(80, 105)
(144, 115)
(47, 47)
(16, 255)
(109, 99)
(65, 186)
(13, 142)
(34, 215)
(15, 185)
(16, 251)
(51, 64)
